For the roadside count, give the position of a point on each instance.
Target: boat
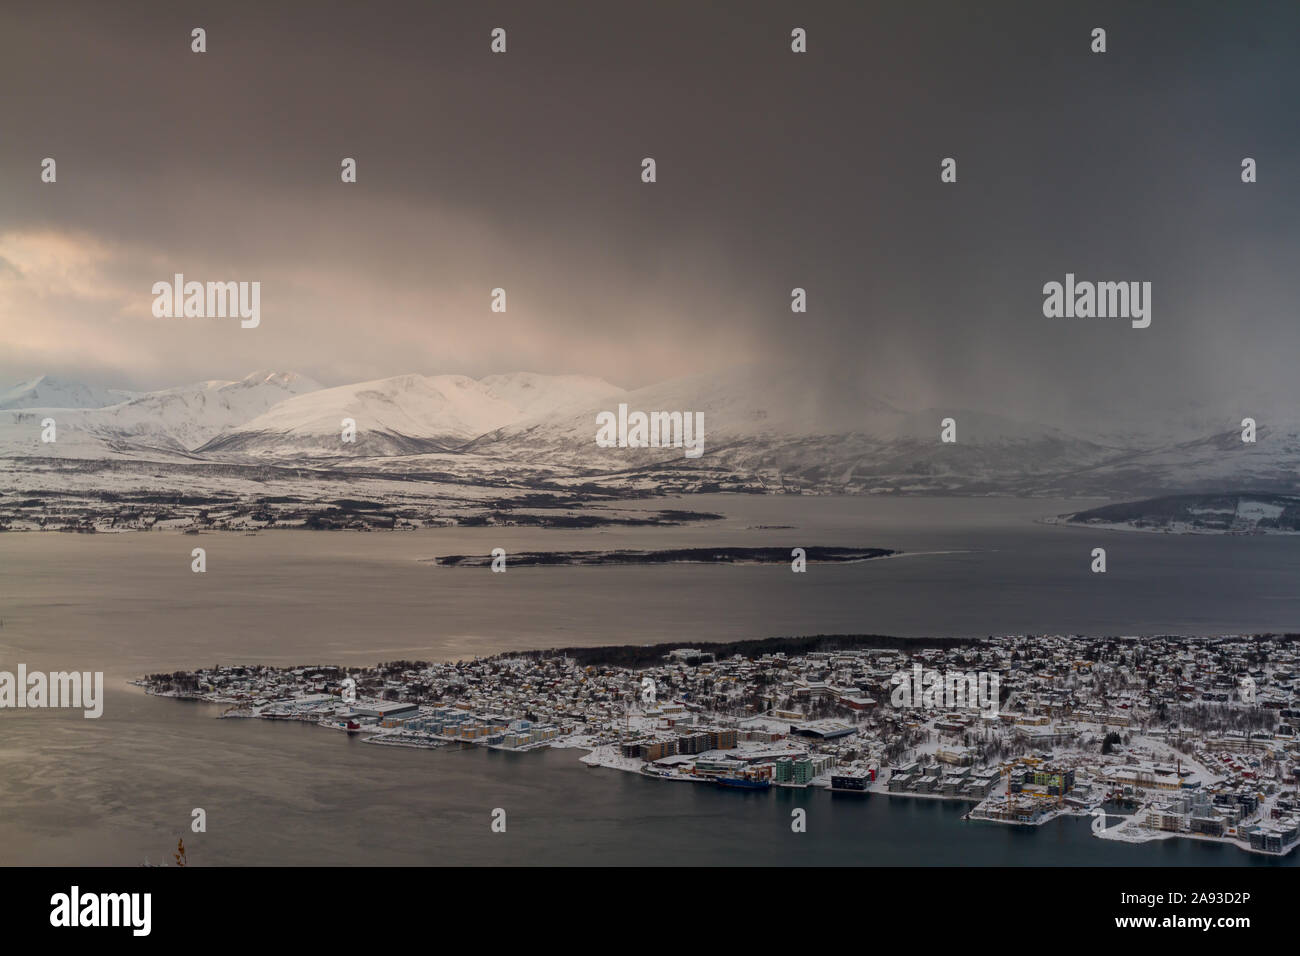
(743, 783)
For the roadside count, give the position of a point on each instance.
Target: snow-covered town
(1157, 738)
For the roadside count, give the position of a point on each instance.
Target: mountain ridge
(762, 431)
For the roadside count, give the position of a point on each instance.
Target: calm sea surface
(119, 790)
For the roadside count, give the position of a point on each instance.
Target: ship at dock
(743, 783)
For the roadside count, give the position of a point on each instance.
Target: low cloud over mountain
(763, 430)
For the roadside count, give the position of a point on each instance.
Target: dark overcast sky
(775, 170)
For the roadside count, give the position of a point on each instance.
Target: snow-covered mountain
(194, 414)
(745, 404)
(45, 391)
(536, 395)
(403, 415)
(1214, 463)
(760, 422)
(173, 420)
(763, 429)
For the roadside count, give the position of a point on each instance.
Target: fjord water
(120, 789)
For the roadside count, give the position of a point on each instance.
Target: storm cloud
(775, 170)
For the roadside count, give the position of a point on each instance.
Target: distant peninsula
(1229, 513)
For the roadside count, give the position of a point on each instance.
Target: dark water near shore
(283, 793)
(120, 789)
